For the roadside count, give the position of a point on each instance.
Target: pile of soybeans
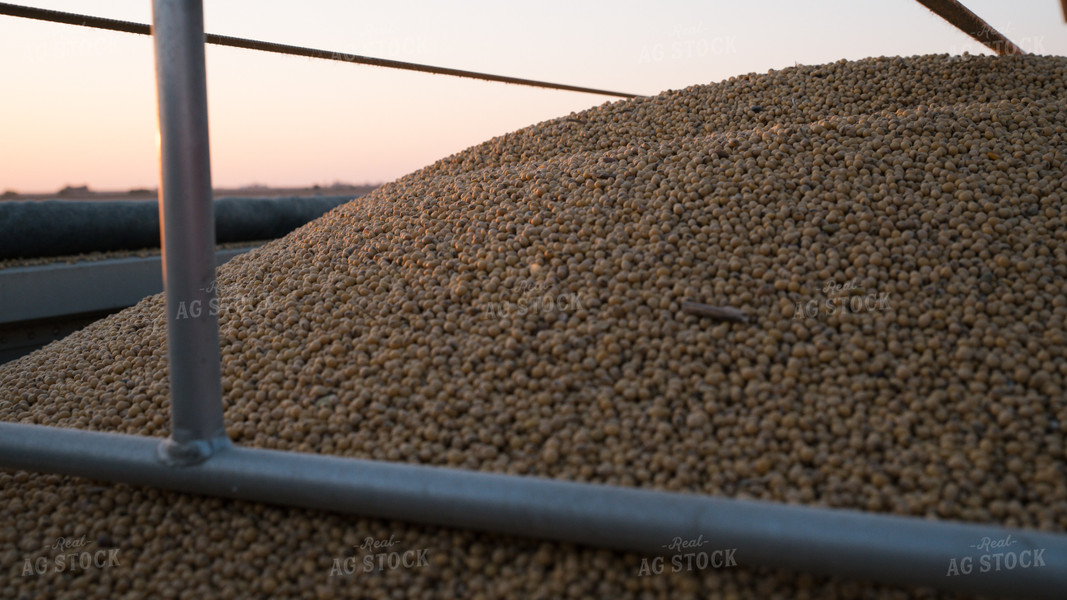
(893, 228)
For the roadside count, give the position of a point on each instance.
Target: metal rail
(55, 16)
(43, 291)
(187, 231)
(37, 306)
(890, 549)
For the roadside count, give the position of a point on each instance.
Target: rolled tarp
(30, 229)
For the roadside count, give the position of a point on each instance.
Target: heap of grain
(893, 227)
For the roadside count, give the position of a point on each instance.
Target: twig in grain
(721, 313)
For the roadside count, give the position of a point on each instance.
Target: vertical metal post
(187, 229)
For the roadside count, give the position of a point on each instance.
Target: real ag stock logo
(75, 554)
(379, 557)
(688, 555)
(997, 555)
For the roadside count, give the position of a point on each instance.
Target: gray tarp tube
(62, 227)
(897, 550)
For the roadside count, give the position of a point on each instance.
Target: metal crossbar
(847, 543)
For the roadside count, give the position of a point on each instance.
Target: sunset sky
(77, 106)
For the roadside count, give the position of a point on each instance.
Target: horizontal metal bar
(60, 289)
(896, 550)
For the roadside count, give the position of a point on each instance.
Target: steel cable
(55, 16)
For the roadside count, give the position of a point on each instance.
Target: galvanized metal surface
(896, 550)
(187, 220)
(61, 289)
